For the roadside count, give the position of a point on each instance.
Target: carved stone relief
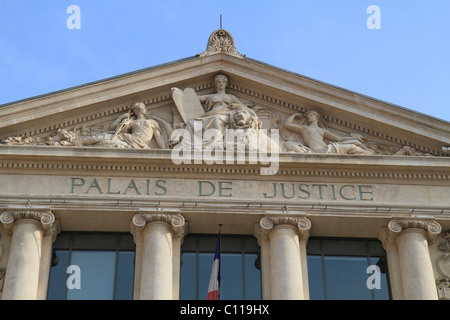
(221, 41)
(443, 267)
(136, 128)
(215, 113)
(308, 133)
(222, 112)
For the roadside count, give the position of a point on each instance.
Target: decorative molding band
(28, 165)
(171, 217)
(431, 227)
(43, 216)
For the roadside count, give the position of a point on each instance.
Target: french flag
(214, 281)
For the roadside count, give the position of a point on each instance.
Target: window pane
(315, 278)
(58, 276)
(346, 278)
(188, 281)
(231, 269)
(97, 275)
(383, 292)
(252, 278)
(125, 276)
(241, 278)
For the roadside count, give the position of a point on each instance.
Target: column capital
(171, 217)
(301, 223)
(42, 215)
(431, 227)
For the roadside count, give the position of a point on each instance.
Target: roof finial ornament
(221, 41)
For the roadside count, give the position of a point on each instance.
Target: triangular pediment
(275, 95)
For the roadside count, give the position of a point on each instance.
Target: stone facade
(149, 153)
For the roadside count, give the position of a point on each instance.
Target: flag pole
(220, 232)
(214, 281)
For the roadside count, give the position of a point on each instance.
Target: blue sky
(406, 62)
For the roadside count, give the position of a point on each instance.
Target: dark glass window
(92, 266)
(240, 270)
(338, 270)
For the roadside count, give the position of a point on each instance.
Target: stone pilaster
(395, 274)
(27, 226)
(285, 240)
(155, 233)
(412, 237)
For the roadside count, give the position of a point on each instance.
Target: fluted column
(288, 274)
(412, 237)
(157, 230)
(27, 227)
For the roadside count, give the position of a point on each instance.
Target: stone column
(287, 257)
(157, 230)
(412, 237)
(27, 227)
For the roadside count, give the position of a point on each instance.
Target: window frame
(206, 243)
(66, 241)
(369, 252)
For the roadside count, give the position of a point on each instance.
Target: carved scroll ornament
(221, 41)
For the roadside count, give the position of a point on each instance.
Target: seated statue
(135, 129)
(308, 134)
(217, 107)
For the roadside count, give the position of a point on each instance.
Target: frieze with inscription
(267, 191)
(222, 189)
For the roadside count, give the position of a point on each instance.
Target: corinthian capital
(41, 215)
(171, 217)
(431, 227)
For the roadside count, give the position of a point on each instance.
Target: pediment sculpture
(205, 121)
(308, 133)
(136, 128)
(222, 113)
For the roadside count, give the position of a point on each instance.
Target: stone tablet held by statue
(188, 103)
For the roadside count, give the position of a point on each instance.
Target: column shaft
(22, 272)
(417, 272)
(285, 264)
(156, 278)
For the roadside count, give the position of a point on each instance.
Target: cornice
(70, 160)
